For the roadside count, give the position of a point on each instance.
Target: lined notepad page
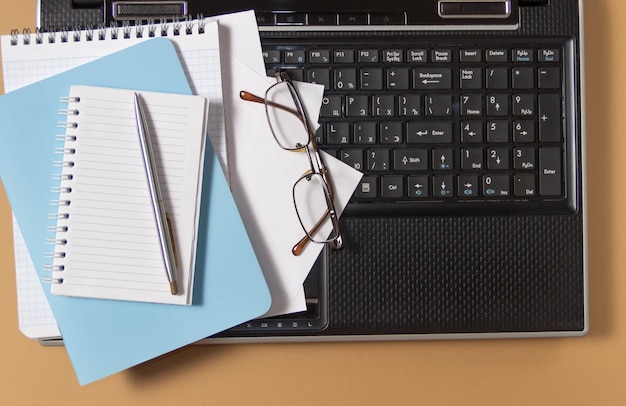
(107, 243)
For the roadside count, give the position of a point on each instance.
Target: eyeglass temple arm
(247, 96)
(304, 241)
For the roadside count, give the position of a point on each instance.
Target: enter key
(550, 172)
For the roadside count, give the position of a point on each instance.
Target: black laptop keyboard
(465, 124)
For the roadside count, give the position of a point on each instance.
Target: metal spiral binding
(101, 32)
(50, 279)
(61, 191)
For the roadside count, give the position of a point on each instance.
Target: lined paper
(108, 246)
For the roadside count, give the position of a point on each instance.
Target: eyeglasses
(313, 191)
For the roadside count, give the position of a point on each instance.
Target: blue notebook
(103, 336)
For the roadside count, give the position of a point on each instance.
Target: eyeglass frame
(316, 163)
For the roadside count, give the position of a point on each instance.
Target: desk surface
(579, 371)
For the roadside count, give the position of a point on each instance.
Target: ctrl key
(550, 172)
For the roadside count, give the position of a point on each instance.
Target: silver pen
(166, 239)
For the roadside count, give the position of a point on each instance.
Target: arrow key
(468, 186)
(443, 159)
(418, 187)
(443, 186)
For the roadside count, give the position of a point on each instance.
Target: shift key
(550, 172)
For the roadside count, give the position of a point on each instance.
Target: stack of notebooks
(81, 201)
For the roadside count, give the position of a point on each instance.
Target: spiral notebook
(106, 336)
(57, 52)
(106, 239)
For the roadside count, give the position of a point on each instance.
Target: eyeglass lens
(284, 117)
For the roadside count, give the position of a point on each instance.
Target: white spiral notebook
(106, 243)
(57, 52)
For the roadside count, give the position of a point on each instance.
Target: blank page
(106, 240)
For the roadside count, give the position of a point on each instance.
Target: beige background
(575, 371)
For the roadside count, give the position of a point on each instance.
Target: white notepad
(106, 239)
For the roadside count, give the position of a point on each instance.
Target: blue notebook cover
(105, 336)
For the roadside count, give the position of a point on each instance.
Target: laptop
(467, 119)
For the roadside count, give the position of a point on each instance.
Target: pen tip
(173, 288)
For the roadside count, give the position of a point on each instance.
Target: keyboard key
(332, 106)
(550, 118)
(371, 78)
(357, 106)
(467, 185)
(367, 188)
(338, 133)
(378, 159)
(443, 186)
(497, 78)
(296, 74)
(319, 56)
(471, 78)
(496, 186)
(418, 186)
(392, 186)
(290, 18)
(524, 185)
(441, 55)
(352, 157)
(411, 159)
(524, 158)
(443, 159)
(417, 56)
(384, 106)
(272, 56)
(295, 56)
(470, 55)
(439, 105)
(524, 131)
(410, 105)
(523, 55)
(428, 132)
(368, 56)
(323, 19)
(391, 132)
(550, 175)
(472, 131)
(387, 19)
(471, 105)
(472, 159)
(549, 55)
(320, 76)
(497, 105)
(498, 131)
(523, 105)
(549, 78)
(344, 56)
(364, 132)
(523, 78)
(498, 158)
(398, 79)
(393, 56)
(344, 79)
(432, 78)
(496, 55)
(353, 19)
